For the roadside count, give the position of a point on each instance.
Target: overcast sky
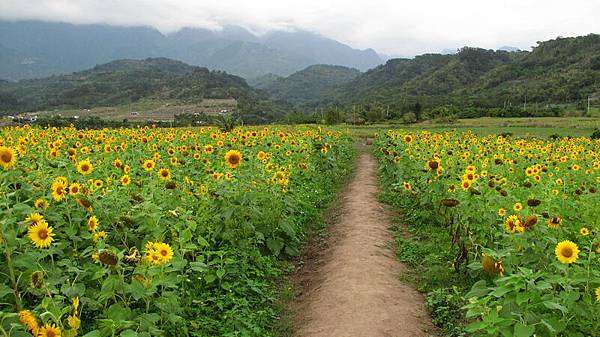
(398, 27)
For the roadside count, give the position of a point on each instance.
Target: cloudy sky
(397, 27)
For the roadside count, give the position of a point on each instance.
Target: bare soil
(349, 284)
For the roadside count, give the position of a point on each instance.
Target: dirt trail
(349, 285)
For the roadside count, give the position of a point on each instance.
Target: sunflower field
(155, 232)
(522, 224)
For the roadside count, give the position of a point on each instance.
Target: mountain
(32, 49)
(564, 70)
(126, 81)
(306, 88)
(264, 81)
(509, 49)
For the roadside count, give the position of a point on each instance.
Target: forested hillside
(125, 81)
(560, 71)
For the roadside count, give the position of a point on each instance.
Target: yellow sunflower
(149, 164)
(34, 219)
(566, 252)
(233, 158)
(7, 157)
(584, 231)
(125, 180)
(49, 331)
(41, 204)
(41, 234)
(29, 321)
(74, 189)
(93, 223)
(59, 188)
(164, 174)
(85, 167)
(598, 294)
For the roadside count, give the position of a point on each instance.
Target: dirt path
(349, 285)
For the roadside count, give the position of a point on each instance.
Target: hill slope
(125, 81)
(556, 71)
(306, 88)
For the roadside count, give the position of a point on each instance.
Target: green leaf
(95, 333)
(275, 245)
(129, 333)
(522, 330)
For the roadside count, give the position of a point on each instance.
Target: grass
(521, 127)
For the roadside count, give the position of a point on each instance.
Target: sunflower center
(567, 252)
(43, 234)
(163, 252)
(6, 157)
(50, 333)
(234, 159)
(85, 167)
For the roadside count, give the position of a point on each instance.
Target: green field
(522, 127)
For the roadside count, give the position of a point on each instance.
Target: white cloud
(395, 27)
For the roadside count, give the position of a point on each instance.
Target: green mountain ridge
(560, 71)
(304, 89)
(125, 81)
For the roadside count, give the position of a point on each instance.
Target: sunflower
(93, 223)
(125, 180)
(501, 212)
(98, 183)
(261, 155)
(408, 139)
(164, 174)
(41, 204)
(518, 207)
(165, 252)
(149, 164)
(29, 321)
(492, 266)
(566, 252)
(554, 222)
(584, 231)
(34, 219)
(41, 234)
(466, 184)
(85, 167)
(597, 294)
(59, 188)
(407, 186)
(49, 331)
(74, 189)
(100, 235)
(233, 158)
(7, 157)
(512, 224)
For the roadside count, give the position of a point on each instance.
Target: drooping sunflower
(164, 174)
(85, 167)
(41, 204)
(233, 158)
(49, 331)
(566, 252)
(29, 321)
(41, 234)
(554, 222)
(7, 157)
